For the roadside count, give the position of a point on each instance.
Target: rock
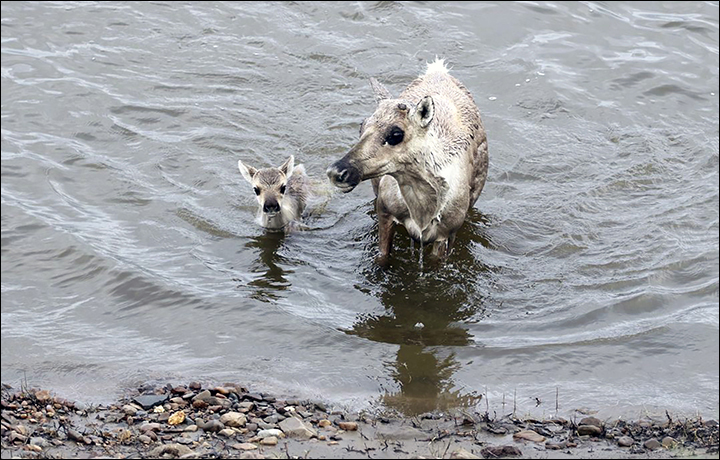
(150, 427)
(191, 428)
(213, 426)
(348, 426)
(589, 430)
(295, 428)
(668, 442)
(550, 445)
(246, 406)
(147, 402)
(253, 396)
(275, 418)
(272, 432)
(42, 396)
(652, 444)
(591, 421)
(265, 426)
(80, 406)
(244, 446)
(501, 451)
(128, 409)
(233, 419)
(251, 426)
(528, 435)
(227, 432)
(177, 418)
(395, 433)
(463, 454)
(324, 422)
(269, 441)
(249, 455)
(75, 436)
(625, 441)
(199, 404)
(38, 441)
(176, 450)
(195, 386)
(145, 439)
(222, 390)
(17, 437)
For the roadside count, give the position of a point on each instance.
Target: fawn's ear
(288, 166)
(248, 172)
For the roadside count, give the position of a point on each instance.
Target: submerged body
(282, 193)
(426, 154)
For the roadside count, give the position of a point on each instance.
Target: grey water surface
(588, 268)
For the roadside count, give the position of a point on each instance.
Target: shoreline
(228, 421)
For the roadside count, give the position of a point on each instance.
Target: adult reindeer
(426, 154)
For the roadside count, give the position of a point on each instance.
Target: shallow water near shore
(588, 268)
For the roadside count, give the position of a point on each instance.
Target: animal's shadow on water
(425, 312)
(272, 278)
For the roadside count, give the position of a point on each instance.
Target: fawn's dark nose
(271, 206)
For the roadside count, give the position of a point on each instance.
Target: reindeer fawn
(281, 192)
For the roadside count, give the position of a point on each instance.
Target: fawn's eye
(395, 136)
(257, 190)
(282, 189)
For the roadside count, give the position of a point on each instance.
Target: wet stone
(246, 406)
(213, 426)
(501, 451)
(227, 432)
(149, 401)
(295, 428)
(550, 445)
(528, 435)
(273, 432)
(463, 454)
(145, 439)
(591, 421)
(348, 426)
(233, 419)
(269, 441)
(244, 446)
(251, 426)
(668, 442)
(652, 444)
(625, 441)
(589, 430)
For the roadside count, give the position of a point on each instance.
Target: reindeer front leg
(386, 232)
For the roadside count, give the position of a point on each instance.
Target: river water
(587, 271)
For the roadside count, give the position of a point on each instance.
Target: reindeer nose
(344, 175)
(271, 206)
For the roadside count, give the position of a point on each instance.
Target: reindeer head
(389, 139)
(269, 184)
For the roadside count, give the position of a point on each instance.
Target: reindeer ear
(424, 111)
(379, 91)
(288, 166)
(247, 171)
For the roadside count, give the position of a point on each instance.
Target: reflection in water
(272, 278)
(424, 312)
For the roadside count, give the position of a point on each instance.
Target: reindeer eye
(257, 190)
(282, 189)
(395, 136)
